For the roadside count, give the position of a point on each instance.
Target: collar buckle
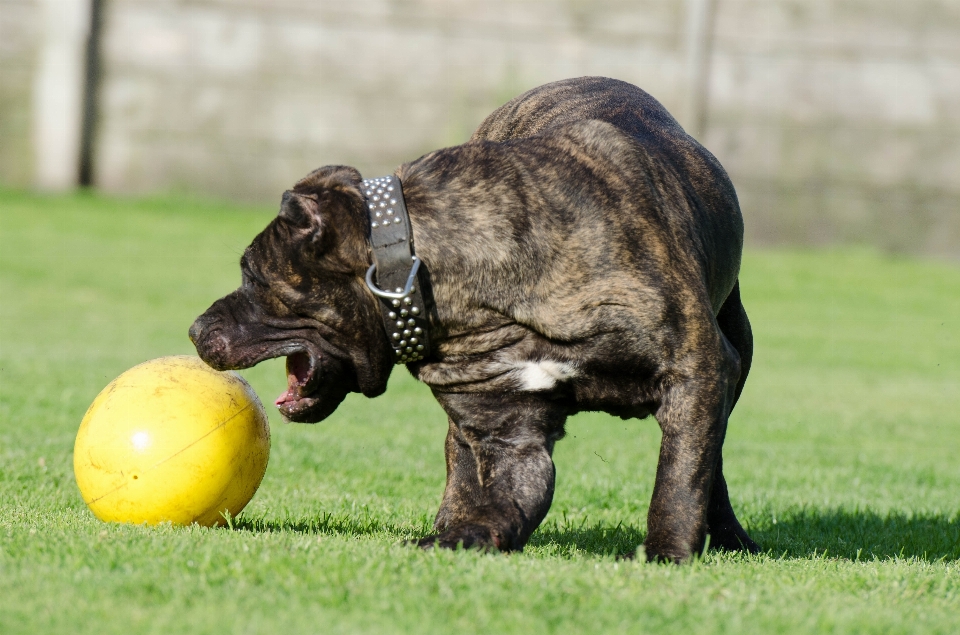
(399, 294)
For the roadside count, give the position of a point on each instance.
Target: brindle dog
(582, 253)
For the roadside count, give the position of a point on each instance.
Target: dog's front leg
(693, 417)
(500, 473)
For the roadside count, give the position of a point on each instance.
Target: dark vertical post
(90, 90)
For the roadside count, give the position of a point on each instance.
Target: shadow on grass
(332, 525)
(848, 534)
(597, 539)
(856, 535)
(803, 534)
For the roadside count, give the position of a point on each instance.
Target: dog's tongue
(298, 374)
(285, 397)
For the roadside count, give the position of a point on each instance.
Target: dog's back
(624, 105)
(710, 194)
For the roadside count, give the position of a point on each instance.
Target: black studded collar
(398, 286)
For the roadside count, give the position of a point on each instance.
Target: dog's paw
(732, 539)
(667, 549)
(464, 537)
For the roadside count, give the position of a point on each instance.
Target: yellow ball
(172, 440)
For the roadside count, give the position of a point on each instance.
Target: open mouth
(302, 383)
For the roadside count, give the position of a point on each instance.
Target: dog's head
(303, 297)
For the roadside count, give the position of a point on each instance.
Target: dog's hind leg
(722, 524)
(500, 473)
(733, 322)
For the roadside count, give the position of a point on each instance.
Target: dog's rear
(711, 195)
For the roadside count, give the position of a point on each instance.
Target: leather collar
(398, 285)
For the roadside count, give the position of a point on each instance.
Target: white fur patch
(544, 374)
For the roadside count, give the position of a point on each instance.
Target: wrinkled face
(303, 297)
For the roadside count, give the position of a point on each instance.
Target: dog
(579, 253)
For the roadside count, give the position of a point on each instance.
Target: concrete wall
(20, 25)
(243, 101)
(839, 120)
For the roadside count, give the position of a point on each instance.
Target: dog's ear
(323, 205)
(307, 220)
(323, 184)
(299, 210)
(338, 179)
(309, 198)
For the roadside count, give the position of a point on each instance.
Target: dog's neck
(394, 275)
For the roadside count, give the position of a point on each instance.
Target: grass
(841, 459)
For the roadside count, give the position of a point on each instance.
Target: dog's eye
(251, 275)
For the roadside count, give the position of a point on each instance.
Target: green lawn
(843, 460)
